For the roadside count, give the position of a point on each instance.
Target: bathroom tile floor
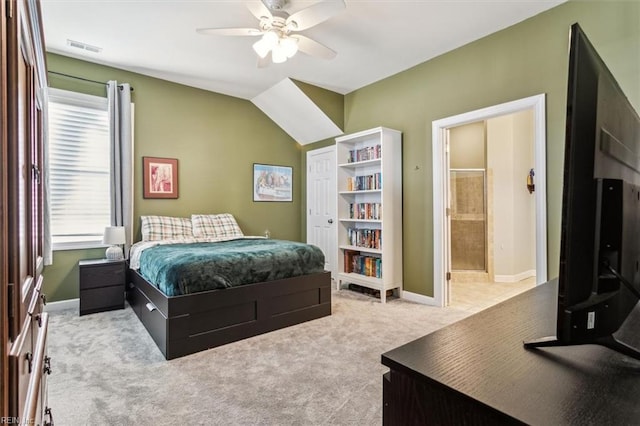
(476, 296)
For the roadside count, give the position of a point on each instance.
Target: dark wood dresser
(102, 285)
(25, 364)
(477, 371)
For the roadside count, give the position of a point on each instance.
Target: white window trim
(78, 99)
(79, 245)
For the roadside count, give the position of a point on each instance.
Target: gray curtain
(120, 132)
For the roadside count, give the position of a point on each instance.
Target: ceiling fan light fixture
(278, 54)
(271, 38)
(261, 48)
(277, 43)
(289, 45)
(268, 41)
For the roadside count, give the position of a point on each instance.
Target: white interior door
(321, 203)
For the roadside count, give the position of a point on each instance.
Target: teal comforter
(178, 269)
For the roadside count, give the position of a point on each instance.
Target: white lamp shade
(280, 46)
(289, 46)
(114, 235)
(262, 48)
(278, 55)
(267, 42)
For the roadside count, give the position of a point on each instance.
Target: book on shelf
(365, 237)
(364, 183)
(365, 154)
(365, 211)
(348, 260)
(355, 262)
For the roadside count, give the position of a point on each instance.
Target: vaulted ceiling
(373, 39)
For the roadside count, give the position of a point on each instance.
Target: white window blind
(79, 176)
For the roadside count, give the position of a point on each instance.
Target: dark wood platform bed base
(182, 325)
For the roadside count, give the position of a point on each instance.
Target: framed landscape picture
(272, 183)
(160, 177)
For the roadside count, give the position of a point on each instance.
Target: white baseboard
(418, 298)
(62, 305)
(515, 278)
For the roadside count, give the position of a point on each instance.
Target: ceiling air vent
(84, 46)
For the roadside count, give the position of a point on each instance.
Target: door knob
(330, 221)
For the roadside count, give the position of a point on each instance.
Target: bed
(196, 288)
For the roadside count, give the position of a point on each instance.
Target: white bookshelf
(370, 210)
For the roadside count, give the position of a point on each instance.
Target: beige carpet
(108, 371)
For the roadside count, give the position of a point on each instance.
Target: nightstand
(102, 285)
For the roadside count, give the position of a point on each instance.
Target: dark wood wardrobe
(23, 324)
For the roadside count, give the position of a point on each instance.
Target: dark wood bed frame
(182, 325)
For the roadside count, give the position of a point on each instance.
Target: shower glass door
(468, 220)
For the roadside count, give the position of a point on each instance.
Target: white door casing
(440, 156)
(321, 203)
(447, 200)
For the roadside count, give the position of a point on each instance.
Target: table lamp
(114, 236)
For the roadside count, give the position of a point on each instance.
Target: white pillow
(216, 225)
(155, 228)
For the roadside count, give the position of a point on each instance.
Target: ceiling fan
(279, 31)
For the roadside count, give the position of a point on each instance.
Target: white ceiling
(373, 38)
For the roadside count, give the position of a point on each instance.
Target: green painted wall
(61, 277)
(331, 103)
(206, 131)
(524, 60)
(216, 139)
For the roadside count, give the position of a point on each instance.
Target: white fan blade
(314, 14)
(230, 31)
(259, 10)
(313, 48)
(264, 62)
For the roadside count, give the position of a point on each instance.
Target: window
(79, 170)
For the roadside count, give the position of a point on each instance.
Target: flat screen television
(599, 277)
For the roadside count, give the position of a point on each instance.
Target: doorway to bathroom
(489, 201)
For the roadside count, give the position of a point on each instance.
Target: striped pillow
(215, 225)
(155, 228)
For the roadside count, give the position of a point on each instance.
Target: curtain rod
(82, 78)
